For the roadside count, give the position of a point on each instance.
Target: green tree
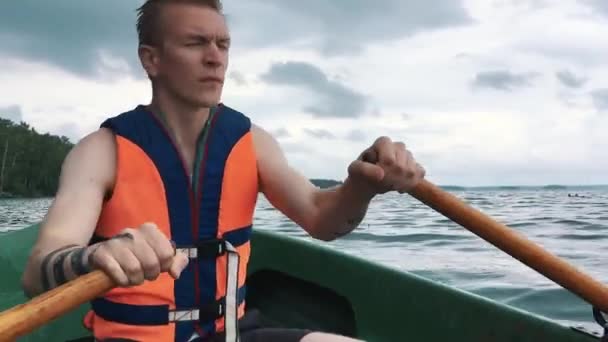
(30, 162)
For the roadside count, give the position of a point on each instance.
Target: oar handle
(514, 244)
(26, 317)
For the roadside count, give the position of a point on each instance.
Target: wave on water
(593, 237)
(573, 223)
(405, 238)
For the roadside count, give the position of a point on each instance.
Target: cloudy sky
(483, 92)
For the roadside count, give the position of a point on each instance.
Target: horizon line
(495, 185)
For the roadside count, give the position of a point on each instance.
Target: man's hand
(136, 255)
(385, 166)
(327, 214)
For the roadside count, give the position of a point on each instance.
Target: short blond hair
(149, 13)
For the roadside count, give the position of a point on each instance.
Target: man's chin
(206, 103)
(209, 101)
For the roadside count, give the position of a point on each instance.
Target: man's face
(193, 56)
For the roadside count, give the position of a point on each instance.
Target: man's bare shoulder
(102, 138)
(264, 140)
(92, 159)
(273, 166)
(267, 148)
(261, 136)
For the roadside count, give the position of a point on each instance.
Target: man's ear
(149, 58)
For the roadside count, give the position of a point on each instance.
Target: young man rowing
(162, 197)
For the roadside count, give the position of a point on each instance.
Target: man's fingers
(103, 260)
(385, 150)
(161, 246)
(369, 156)
(129, 263)
(180, 261)
(396, 167)
(366, 170)
(401, 156)
(421, 170)
(148, 259)
(136, 255)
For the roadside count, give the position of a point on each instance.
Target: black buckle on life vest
(213, 311)
(211, 248)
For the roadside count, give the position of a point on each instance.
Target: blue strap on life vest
(157, 314)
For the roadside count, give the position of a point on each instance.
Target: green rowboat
(305, 285)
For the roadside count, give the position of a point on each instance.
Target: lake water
(402, 233)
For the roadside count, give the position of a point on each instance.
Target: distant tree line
(30, 162)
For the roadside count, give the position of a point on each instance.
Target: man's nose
(213, 55)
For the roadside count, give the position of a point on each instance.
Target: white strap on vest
(231, 328)
(184, 315)
(232, 286)
(191, 253)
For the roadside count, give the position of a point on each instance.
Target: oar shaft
(29, 316)
(514, 244)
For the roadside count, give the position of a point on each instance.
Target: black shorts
(253, 327)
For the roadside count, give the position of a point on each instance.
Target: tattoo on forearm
(351, 224)
(90, 258)
(341, 233)
(124, 235)
(58, 269)
(354, 222)
(79, 266)
(47, 269)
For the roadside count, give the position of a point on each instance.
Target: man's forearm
(55, 268)
(339, 210)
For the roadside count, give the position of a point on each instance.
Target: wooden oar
(25, 318)
(513, 243)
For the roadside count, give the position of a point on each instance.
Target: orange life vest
(212, 223)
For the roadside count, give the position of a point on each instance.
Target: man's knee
(323, 337)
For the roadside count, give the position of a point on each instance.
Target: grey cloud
(319, 133)
(79, 36)
(238, 77)
(574, 51)
(88, 37)
(569, 79)
(338, 26)
(529, 4)
(503, 79)
(598, 5)
(333, 99)
(600, 99)
(12, 113)
(296, 148)
(356, 135)
(70, 130)
(280, 133)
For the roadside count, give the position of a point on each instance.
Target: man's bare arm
(87, 174)
(60, 254)
(330, 213)
(324, 213)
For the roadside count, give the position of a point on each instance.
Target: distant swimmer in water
(577, 195)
